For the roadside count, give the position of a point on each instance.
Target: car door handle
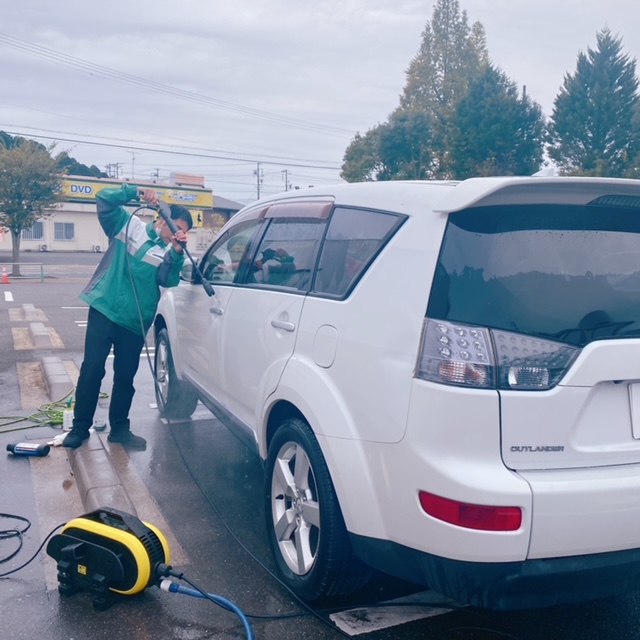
(281, 324)
(217, 310)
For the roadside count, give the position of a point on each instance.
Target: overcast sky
(215, 87)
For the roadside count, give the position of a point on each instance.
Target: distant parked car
(443, 379)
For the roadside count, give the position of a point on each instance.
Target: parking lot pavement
(195, 482)
(203, 490)
(46, 491)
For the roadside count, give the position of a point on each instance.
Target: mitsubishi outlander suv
(441, 378)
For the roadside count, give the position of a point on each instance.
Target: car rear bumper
(584, 511)
(506, 586)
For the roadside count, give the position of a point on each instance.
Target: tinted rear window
(562, 272)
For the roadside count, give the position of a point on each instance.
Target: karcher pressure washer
(109, 553)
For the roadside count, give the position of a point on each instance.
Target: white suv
(442, 378)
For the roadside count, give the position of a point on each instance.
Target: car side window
(354, 238)
(223, 261)
(287, 253)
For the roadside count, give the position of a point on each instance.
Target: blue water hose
(174, 587)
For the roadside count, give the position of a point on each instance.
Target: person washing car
(122, 295)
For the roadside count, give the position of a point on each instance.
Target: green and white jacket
(125, 286)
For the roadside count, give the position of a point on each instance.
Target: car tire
(174, 398)
(306, 529)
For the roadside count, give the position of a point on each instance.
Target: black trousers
(101, 335)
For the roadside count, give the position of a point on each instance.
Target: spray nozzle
(165, 214)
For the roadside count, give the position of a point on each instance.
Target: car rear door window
(354, 238)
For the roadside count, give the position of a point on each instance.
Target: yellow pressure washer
(109, 553)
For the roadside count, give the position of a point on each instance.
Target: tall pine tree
(458, 116)
(416, 140)
(451, 53)
(592, 129)
(449, 56)
(494, 131)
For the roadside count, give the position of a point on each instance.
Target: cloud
(248, 74)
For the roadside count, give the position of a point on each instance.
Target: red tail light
(485, 358)
(471, 516)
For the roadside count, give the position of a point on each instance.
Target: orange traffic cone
(5, 276)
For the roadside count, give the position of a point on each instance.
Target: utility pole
(113, 169)
(285, 175)
(133, 164)
(258, 174)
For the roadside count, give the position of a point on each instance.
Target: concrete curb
(40, 335)
(31, 314)
(56, 378)
(98, 483)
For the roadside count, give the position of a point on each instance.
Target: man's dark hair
(181, 213)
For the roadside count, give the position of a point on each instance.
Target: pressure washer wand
(165, 212)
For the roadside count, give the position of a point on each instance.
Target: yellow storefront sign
(84, 190)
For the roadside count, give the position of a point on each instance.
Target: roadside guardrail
(33, 270)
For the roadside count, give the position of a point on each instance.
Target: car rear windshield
(568, 273)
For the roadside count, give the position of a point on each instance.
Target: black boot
(75, 438)
(127, 439)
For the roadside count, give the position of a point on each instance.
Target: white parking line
(425, 604)
(8, 296)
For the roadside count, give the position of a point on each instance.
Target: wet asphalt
(203, 489)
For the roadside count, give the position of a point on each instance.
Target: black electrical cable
(38, 550)
(8, 534)
(205, 283)
(163, 570)
(308, 609)
(302, 603)
(135, 293)
(168, 571)
(130, 273)
(502, 634)
(137, 299)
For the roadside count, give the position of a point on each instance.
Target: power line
(172, 146)
(91, 121)
(106, 72)
(169, 151)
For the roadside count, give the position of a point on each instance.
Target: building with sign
(74, 226)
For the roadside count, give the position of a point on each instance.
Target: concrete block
(30, 312)
(56, 378)
(98, 483)
(40, 335)
(113, 496)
